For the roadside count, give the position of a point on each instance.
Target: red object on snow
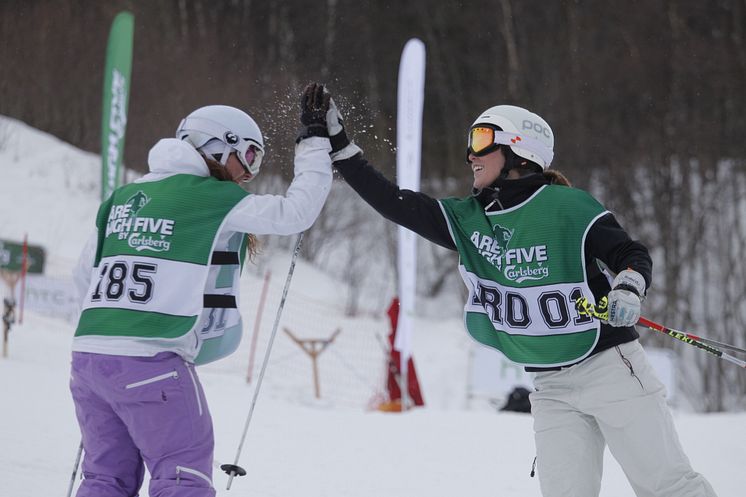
(394, 373)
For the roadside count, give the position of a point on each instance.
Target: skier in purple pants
(159, 283)
(142, 409)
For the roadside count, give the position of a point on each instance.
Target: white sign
(493, 376)
(54, 297)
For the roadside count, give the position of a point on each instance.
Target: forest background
(646, 98)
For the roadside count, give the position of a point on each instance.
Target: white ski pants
(613, 398)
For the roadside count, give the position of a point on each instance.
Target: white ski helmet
(218, 130)
(527, 134)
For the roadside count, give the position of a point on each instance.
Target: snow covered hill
(296, 445)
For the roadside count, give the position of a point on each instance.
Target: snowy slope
(296, 445)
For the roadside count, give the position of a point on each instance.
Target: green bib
(524, 267)
(155, 242)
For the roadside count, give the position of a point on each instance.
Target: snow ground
(296, 445)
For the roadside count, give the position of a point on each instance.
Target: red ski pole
(601, 312)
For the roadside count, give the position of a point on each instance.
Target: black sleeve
(608, 242)
(413, 210)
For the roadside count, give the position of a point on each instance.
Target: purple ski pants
(142, 411)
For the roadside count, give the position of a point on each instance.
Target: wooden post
(9, 317)
(6, 330)
(314, 355)
(10, 278)
(24, 269)
(313, 347)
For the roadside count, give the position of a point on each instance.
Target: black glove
(314, 104)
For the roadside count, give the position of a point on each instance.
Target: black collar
(506, 193)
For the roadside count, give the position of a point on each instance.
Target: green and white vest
(524, 268)
(155, 253)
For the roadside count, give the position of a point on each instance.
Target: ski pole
(601, 312)
(692, 340)
(75, 470)
(709, 341)
(234, 469)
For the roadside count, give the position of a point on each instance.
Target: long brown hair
(219, 172)
(556, 178)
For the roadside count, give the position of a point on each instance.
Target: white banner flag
(410, 99)
(47, 296)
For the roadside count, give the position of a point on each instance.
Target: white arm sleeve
(84, 267)
(300, 206)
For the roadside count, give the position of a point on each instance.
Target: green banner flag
(116, 98)
(11, 257)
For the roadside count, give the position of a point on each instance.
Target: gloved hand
(625, 298)
(314, 105)
(342, 147)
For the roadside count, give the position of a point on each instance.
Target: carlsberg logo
(517, 264)
(526, 264)
(141, 233)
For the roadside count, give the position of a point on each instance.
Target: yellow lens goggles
(480, 139)
(484, 139)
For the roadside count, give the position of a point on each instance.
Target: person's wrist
(317, 129)
(349, 151)
(630, 280)
(339, 141)
(310, 130)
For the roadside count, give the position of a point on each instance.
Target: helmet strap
(226, 154)
(511, 161)
(217, 150)
(515, 161)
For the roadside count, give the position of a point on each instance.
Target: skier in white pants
(529, 246)
(614, 398)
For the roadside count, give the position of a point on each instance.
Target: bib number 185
(120, 279)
